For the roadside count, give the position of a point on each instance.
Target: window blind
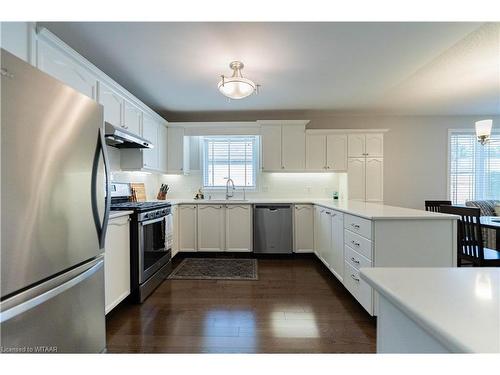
(474, 169)
(234, 157)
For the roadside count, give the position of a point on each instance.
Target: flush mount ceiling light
(483, 130)
(237, 87)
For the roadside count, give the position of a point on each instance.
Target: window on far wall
(474, 169)
(234, 157)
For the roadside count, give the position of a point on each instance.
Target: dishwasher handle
(273, 207)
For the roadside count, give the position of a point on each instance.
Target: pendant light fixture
(483, 130)
(237, 87)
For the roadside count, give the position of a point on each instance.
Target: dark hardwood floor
(296, 306)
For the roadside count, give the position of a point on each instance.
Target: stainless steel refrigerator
(54, 210)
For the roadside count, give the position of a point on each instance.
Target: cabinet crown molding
(283, 122)
(345, 131)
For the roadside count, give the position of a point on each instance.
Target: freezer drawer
(64, 314)
(272, 229)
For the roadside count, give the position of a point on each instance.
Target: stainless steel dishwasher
(272, 229)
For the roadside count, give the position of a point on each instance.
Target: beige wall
(415, 147)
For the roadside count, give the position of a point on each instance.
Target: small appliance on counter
(151, 240)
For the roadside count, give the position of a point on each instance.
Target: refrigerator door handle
(100, 228)
(47, 294)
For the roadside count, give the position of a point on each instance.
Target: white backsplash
(270, 185)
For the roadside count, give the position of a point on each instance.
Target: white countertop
(115, 214)
(459, 307)
(371, 211)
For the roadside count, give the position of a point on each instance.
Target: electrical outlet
(308, 189)
(265, 189)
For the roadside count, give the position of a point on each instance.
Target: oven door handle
(142, 223)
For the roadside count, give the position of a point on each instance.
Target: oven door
(152, 251)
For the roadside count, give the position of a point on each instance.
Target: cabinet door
(271, 147)
(211, 227)
(112, 103)
(117, 262)
(325, 234)
(238, 227)
(317, 229)
(132, 118)
(304, 230)
(175, 149)
(61, 66)
(293, 147)
(374, 179)
(150, 132)
(162, 148)
(356, 178)
(374, 145)
(315, 151)
(336, 152)
(336, 259)
(187, 228)
(356, 145)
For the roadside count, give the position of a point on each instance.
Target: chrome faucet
(227, 188)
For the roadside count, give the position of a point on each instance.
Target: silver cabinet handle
(356, 226)
(354, 277)
(328, 213)
(355, 243)
(354, 260)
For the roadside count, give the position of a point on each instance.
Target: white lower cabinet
(211, 227)
(304, 228)
(331, 241)
(316, 231)
(239, 228)
(187, 230)
(117, 262)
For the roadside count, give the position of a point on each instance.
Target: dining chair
(470, 238)
(435, 206)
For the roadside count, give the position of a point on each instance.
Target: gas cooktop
(138, 206)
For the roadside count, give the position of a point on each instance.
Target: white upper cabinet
(356, 147)
(336, 152)
(271, 147)
(54, 61)
(374, 145)
(238, 227)
(132, 118)
(356, 178)
(177, 151)
(374, 179)
(315, 151)
(150, 132)
(113, 104)
(304, 229)
(162, 147)
(293, 144)
(211, 227)
(369, 144)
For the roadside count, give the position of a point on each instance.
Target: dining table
(492, 222)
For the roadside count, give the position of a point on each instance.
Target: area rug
(216, 269)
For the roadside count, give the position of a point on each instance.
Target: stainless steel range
(150, 241)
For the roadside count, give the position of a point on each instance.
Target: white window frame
(256, 163)
(448, 159)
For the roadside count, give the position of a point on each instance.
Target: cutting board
(140, 191)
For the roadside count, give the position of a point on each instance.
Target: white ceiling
(410, 68)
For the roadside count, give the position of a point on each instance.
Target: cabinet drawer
(358, 225)
(358, 288)
(358, 243)
(355, 259)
